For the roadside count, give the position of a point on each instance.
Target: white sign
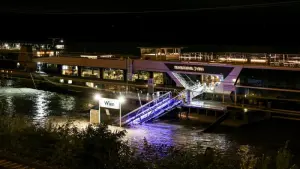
(110, 103)
(190, 68)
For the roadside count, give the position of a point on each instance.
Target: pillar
(223, 97)
(269, 59)
(79, 71)
(235, 97)
(101, 73)
(188, 97)
(125, 75)
(151, 83)
(59, 69)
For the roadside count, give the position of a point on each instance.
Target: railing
(137, 113)
(183, 81)
(159, 111)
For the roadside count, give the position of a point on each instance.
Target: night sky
(177, 22)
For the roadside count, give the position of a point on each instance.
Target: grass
(97, 147)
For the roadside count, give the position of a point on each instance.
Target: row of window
(111, 74)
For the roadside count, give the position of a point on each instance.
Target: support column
(125, 75)
(79, 71)
(151, 84)
(188, 97)
(235, 97)
(223, 98)
(101, 73)
(59, 69)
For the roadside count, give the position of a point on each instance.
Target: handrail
(146, 104)
(190, 79)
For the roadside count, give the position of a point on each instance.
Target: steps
(152, 110)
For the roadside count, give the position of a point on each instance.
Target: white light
(121, 99)
(245, 110)
(61, 41)
(65, 67)
(6, 45)
(42, 46)
(233, 80)
(61, 80)
(97, 97)
(18, 64)
(245, 95)
(69, 81)
(38, 63)
(18, 46)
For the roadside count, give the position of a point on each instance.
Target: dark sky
(183, 22)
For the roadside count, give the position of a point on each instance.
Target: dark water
(265, 137)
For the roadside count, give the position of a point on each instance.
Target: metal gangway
(159, 106)
(153, 109)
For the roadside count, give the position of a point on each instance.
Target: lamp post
(121, 100)
(98, 97)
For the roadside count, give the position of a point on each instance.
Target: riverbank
(66, 146)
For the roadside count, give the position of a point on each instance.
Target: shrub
(96, 147)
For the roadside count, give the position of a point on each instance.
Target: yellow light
(121, 99)
(258, 60)
(97, 97)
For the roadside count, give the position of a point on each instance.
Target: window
(158, 78)
(89, 84)
(90, 72)
(69, 70)
(113, 74)
(141, 75)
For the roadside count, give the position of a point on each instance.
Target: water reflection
(41, 106)
(8, 105)
(68, 103)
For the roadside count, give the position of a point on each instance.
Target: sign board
(110, 103)
(216, 70)
(189, 68)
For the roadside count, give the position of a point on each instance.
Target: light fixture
(97, 96)
(121, 99)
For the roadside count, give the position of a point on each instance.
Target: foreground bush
(97, 147)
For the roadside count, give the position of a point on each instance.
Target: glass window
(141, 75)
(69, 70)
(90, 72)
(158, 78)
(113, 74)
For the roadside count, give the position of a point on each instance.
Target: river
(264, 137)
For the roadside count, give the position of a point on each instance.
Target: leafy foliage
(97, 147)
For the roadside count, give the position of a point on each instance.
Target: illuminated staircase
(184, 80)
(163, 104)
(152, 110)
(158, 107)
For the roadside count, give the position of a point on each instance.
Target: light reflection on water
(43, 105)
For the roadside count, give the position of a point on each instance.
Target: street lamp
(121, 100)
(98, 97)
